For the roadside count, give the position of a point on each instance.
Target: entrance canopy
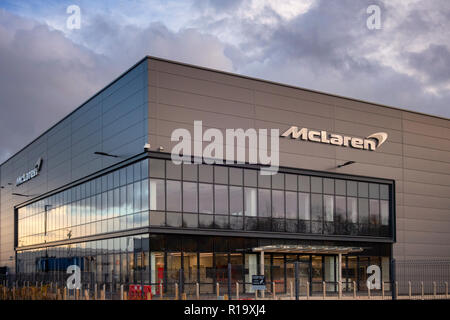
(307, 249)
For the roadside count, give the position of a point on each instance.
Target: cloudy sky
(47, 69)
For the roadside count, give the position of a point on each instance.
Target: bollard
(354, 289)
(237, 290)
(446, 290)
(125, 295)
(217, 290)
(86, 294)
(65, 294)
(274, 295)
(104, 292)
(184, 296)
(340, 289)
(382, 290)
(176, 291)
(423, 292)
(149, 295)
(409, 290)
(121, 292)
(77, 294)
(396, 289)
(324, 289)
(225, 296)
(197, 290)
(307, 290)
(434, 289)
(291, 289)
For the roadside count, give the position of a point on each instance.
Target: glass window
(316, 207)
(236, 201)
(374, 190)
(144, 169)
(190, 197)
(157, 169)
(173, 171)
(277, 204)
(363, 210)
(329, 207)
(190, 172)
(123, 178)
(304, 183)
(129, 176)
(264, 181)
(137, 196)
(173, 195)
(157, 195)
(220, 199)
(205, 198)
(205, 173)
(316, 184)
(363, 189)
(144, 195)
(291, 204)
(129, 200)
(220, 174)
(384, 192)
(250, 202)
(291, 182)
(374, 206)
(352, 210)
(384, 209)
(236, 176)
(352, 188)
(264, 206)
(137, 172)
(341, 209)
(328, 186)
(250, 178)
(278, 181)
(304, 206)
(340, 187)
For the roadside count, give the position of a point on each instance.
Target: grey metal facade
(157, 96)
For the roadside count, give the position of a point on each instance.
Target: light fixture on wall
(345, 164)
(101, 153)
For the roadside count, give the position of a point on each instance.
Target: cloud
(47, 71)
(45, 75)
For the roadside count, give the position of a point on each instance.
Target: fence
(414, 280)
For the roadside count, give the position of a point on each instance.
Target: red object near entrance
(135, 292)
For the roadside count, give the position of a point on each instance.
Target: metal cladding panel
(67, 149)
(416, 154)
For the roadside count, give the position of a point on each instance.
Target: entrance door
(303, 272)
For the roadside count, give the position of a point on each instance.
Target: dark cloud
(434, 62)
(45, 74)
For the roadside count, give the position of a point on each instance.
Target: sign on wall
(370, 143)
(30, 174)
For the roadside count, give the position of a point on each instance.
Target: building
(90, 191)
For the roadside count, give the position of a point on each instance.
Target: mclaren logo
(370, 143)
(30, 174)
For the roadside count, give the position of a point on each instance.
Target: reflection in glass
(205, 198)
(303, 206)
(250, 202)
(264, 206)
(236, 201)
(221, 199)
